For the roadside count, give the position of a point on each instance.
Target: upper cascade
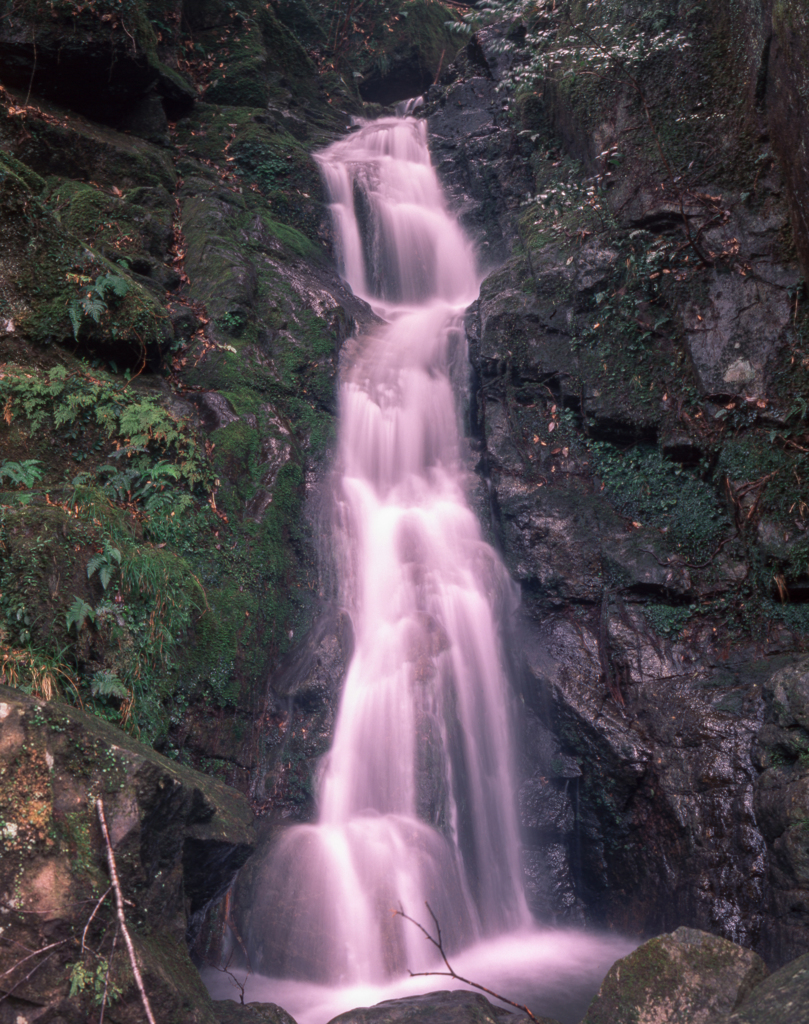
(397, 245)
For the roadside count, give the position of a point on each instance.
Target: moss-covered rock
(782, 997)
(408, 53)
(57, 288)
(229, 1012)
(687, 977)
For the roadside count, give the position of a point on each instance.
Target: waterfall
(416, 800)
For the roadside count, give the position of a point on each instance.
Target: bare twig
(240, 985)
(232, 925)
(34, 67)
(90, 918)
(33, 970)
(440, 64)
(119, 907)
(450, 972)
(36, 952)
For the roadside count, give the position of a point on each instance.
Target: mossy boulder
(264, 59)
(178, 839)
(50, 140)
(229, 1012)
(56, 288)
(782, 997)
(408, 53)
(789, 689)
(686, 977)
(100, 58)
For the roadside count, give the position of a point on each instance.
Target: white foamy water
(416, 800)
(555, 972)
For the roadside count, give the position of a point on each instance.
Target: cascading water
(416, 800)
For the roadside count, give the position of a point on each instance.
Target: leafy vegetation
(136, 422)
(106, 289)
(643, 484)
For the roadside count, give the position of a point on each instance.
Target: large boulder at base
(229, 1012)
(783, 997)
(178, 838)
(685, 977)
(436, 1008)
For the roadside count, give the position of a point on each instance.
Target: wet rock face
(301, 705)
(481, 163)
(687, 977)
(178, 838)
(774, 38)
(663, 802)
(781, 798)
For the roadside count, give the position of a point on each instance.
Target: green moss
(290, 237)
(772, 476)
(166, 957)
(11, 165)
(668, 620)
(76, 833)
(26, 804)
(238, 450)
(645, 485)
(418, 31)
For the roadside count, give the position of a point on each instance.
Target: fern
(94, 304)
(78, 613)
(104, 564)
(23, 474)
(75, 312)
(94, 307)
(114, 283)
(142, 425)
(106, 684)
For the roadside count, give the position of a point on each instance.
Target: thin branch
(450, 972)
(36, 952)
(33, 970)
(119, 907)
(90, 918)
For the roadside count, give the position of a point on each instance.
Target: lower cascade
(416, 799)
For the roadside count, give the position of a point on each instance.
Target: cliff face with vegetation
(171, 320)
(170, 327)
(638, 413)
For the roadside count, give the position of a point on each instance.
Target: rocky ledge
(178, 838)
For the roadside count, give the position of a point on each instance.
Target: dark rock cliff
(637, 354)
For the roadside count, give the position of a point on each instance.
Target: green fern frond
(74, 311)
(106, 684)
(78, 613)
(94, 307)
